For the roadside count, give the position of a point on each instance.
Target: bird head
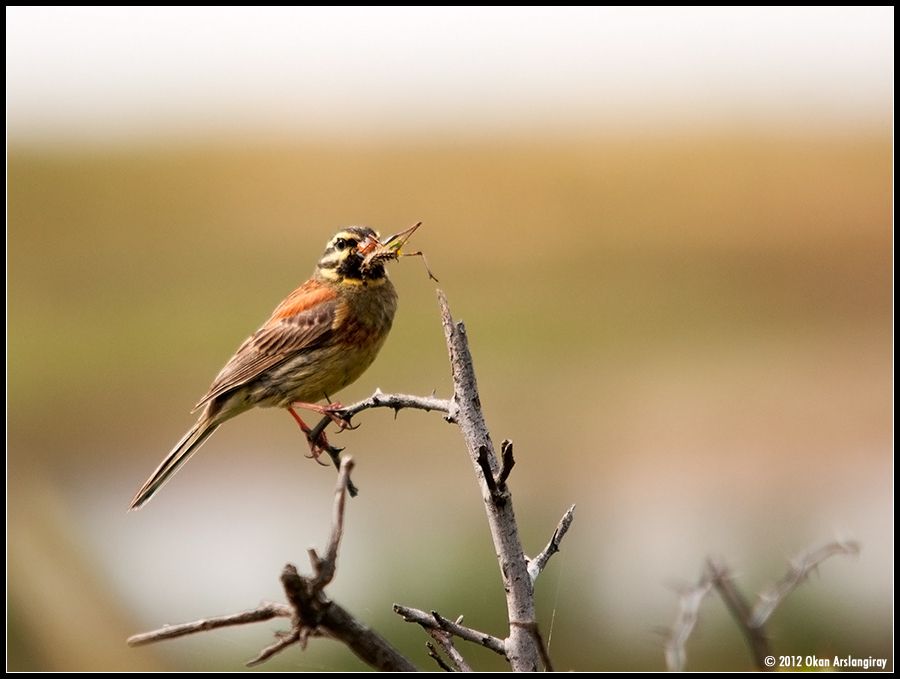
(356, 255)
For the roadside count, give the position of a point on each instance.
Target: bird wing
(301, 322)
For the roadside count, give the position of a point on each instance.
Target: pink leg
(330, 411)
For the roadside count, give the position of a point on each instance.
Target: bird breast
(360, 327)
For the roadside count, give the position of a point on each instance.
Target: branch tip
(538, 563)
(435, 621)
(801, 567)
(432, 653)
(286, 640)
(507, 462)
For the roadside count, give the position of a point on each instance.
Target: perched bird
(321, 338)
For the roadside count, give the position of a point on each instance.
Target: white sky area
(95, 73)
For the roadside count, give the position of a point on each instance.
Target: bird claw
(315, 437)
(320, 445)
(333, 412)
(314, 455)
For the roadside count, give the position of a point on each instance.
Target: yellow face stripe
(368, 282)
(332, 275)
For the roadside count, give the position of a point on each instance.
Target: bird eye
(344, 243)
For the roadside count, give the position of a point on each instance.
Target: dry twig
(801, 567)
(436, 621)
(522, 644)
(395, 402)
(538, 563)
(432, 653)
(446, 642)
(266, 611)
(688, 614)
(751, 621)
(737, 605)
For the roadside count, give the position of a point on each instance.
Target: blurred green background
(684, 325)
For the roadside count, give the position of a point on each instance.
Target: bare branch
(266, 611)
(446, 642)
(284, 640)
(522, 645)
(542, 647)
(395, 402)
(325, 568)
(432, 653)
(685, 621)
(538, 563)
(750, 621)
(435, 621)
(366, 643)
(801, 567)
(337, 515)
(734, 600)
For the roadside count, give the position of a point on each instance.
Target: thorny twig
(446, 642)
(538, 563)
(325, 568)
(771, 598)
(432, 653)
(737, 605)
(395, 402)
(266, 611)
(751, 621)
(522, 644)
(282, 641)
(688, 614)
(436, 621)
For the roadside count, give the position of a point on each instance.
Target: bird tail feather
(186, 447)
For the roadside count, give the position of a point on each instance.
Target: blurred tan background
(669, 233)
